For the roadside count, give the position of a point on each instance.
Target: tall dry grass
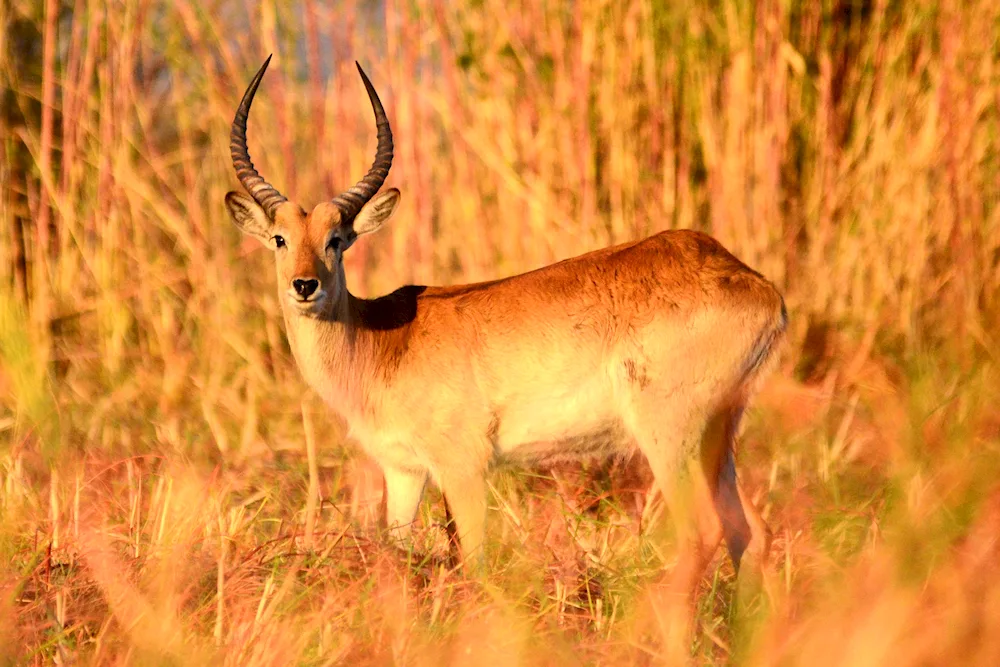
(157, 502)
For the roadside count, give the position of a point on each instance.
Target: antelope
(652, 346)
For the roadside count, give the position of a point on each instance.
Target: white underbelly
(567, 424)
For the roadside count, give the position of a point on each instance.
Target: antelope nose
(305, 287)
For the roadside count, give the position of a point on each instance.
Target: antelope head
(309, 247)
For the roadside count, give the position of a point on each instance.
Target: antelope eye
(279, 241)
(334, 243)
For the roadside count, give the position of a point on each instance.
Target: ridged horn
(262, 192)
(351, 201)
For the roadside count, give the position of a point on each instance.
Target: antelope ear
(376, 211)
(248, 216)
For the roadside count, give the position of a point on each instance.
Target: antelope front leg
(466, 498)
(403, 490)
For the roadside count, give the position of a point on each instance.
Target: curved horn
(350, 202)
(255, 185)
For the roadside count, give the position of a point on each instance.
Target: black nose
(305, 287)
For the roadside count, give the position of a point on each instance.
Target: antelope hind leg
(673, 453)
(747, 536)
(752, 569)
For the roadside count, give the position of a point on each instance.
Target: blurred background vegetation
(150, 413)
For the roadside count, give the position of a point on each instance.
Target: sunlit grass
(157, 504)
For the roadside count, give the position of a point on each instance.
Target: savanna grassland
(170, 491)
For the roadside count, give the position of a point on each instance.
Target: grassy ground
(171, 493)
